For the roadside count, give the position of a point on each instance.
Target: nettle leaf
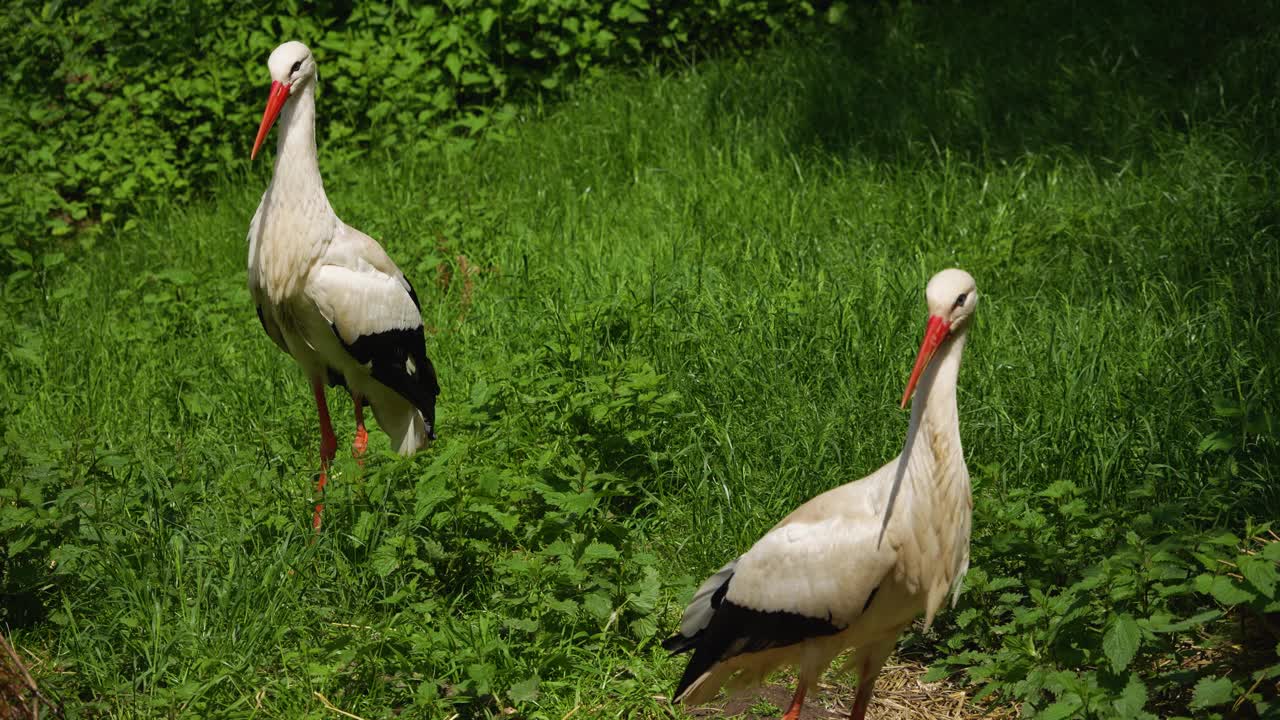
(1224, 538)
(525, 690)
(936, 673)
(1064, 708)
(506, 521)
(1222, 589)
(1163, 622)
(487, 16)
(364, 527)
(386, 557)
(1059, 489)
(21, 543)
(644, 627)
(1212, 691)
(1002, 583)
(1261, 573)
(598, 605)
(481, 675)
(428, 493)
(1216, 442)
(1121, 642)
(564, 606)
(598, 551)
(645, 597)
(575, 503)
(1271, 551)
(1132, 699)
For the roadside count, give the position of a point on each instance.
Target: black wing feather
(398, 359)
(734, 630)
(413, 295)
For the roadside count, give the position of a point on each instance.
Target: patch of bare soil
(900, 694)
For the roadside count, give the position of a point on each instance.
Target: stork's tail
(403, 423)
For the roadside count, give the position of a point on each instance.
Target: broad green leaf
(564, 606)
(385, 559)
(1162, 622)
(1121, 641)
(1216, 442)
(1261, 572)
(936, 672)
(598, 605)
(364, 527)
(1132, 699)
(1065, 707)
(1271, 551)
(481, 675)
(645, 627)
(599, 551)
(22, 257)
(1222, 589)
(645, 597)
(1212, 691)
(1224, 538)
(506, 521)
(22, 543)
(525, 690)
(427, 495)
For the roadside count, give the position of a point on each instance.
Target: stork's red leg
(328, 447)
(860, 702)
(793, 712)
(361, 442)
(866, 680)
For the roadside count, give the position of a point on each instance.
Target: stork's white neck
(932, 459)
(934, 408)
(295, 221)
(932, 471)
(297, 162)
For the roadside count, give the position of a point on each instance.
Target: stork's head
(292, 67)
(952, 296)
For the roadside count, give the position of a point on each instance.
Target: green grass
(692, 304)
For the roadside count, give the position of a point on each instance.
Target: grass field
(664, 311)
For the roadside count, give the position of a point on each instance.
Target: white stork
(328, 294)
(855, 565)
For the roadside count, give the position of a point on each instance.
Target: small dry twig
(325, 701)
(37, 697)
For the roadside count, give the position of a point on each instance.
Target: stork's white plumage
(328, 294)
(855, 565)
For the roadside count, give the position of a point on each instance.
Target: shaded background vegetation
(666, 307)
(108, 103)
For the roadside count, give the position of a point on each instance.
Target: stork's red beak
(279, 93)
(935, 332)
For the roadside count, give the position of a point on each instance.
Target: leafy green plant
(107, 104)
(1111, 639)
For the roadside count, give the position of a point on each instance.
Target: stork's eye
(960, 300)
(295, 67)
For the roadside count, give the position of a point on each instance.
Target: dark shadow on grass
(1000, 79)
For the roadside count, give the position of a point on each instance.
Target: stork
(326, 293)
(852, 567)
